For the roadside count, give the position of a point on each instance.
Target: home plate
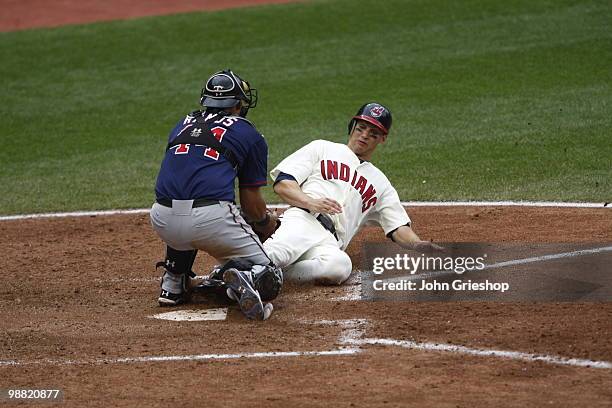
(193, 315)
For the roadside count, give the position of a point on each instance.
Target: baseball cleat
(180, 283)
(170, 299)
(248, 298)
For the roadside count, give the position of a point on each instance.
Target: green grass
(491, 100)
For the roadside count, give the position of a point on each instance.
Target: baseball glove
(264, 228)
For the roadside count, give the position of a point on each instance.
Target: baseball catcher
(195, 205)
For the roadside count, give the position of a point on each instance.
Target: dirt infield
(79, 293)
(25, 14)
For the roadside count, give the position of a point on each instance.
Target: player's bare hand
(325, 206)
(427, 247)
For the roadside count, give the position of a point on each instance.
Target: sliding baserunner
(333, 190)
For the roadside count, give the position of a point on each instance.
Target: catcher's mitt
(264, 228)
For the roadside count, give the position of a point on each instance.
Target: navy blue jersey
(191, 171)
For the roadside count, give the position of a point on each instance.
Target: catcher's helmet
(225, 89)
(374, 113)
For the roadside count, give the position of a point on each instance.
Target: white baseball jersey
(332, 170)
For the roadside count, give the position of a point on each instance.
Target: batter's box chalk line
(352, 288)
(353, 332)
(513, 355)
(351, 339)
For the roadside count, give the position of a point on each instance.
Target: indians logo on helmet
(377, 111)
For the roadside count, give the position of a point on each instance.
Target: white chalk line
(354, 329)
(505, 204)
(513, 355)
(350, 338)
(352, 289)
(74, 214)
(193, 357)
(523, 261)
(281, 206)
(351, 330)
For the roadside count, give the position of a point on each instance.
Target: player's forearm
(291, 193)
(252, 202)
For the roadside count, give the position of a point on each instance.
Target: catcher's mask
(225, 89)
(374, 113)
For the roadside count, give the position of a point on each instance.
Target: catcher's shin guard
(178, 262)
(175, 280)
